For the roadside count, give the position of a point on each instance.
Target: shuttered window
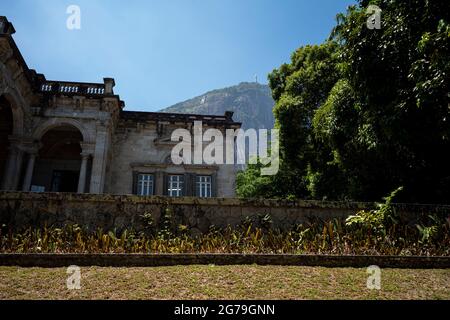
(203, 185)
(145, 184)
(175, 185)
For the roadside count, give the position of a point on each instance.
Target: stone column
(13, 167)
(9, 169)
(86, 154)
(83, 171)
(17, 170)
(29, 173)
(109, 85)
(100, 159)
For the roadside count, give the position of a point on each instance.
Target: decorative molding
(190, 167)
(57, 122)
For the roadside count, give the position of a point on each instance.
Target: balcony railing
(73, 88)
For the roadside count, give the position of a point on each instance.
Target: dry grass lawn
(223, 282)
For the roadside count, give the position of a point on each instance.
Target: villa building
(58, 136)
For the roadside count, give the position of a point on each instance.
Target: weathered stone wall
(49, 260)
(139, 148)
(20, 210)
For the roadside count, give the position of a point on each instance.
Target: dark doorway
(6, 129)
(65, 181)
(58, 164)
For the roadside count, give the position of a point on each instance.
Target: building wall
(22, 210)
(113, 149)
(142, 150)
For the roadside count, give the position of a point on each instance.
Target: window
(145, 185)
(175, 185)
(204, 186)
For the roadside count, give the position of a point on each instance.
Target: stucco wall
(37, 209)
(142, 150)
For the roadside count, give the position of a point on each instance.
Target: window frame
(178, 186)
(204, 186)
(150, 184)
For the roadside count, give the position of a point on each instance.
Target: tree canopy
(367, 111)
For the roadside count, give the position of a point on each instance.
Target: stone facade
(58, 136)
(20, 210)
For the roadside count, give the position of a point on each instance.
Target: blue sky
(161, 52)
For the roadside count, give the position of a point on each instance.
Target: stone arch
(6, 130)
(19, 108)
(58, 122)
(17, 111)
(9, 89)
(57, 162)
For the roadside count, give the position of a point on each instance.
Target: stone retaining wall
(19, 210)
(154, 260)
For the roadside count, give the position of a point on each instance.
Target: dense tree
(396, 101)
(298, 88)
(368, 111)
(284, 185)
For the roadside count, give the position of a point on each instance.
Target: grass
(223, 282)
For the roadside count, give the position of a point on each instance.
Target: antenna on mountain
(256, 78)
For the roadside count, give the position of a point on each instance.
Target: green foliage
(427, 233)
(367, 110)
(376, 222)
(149, 222)
(434, 231)
(298, 88)
(250, 183)
(265, 221)
(397, 105)
(253, 235)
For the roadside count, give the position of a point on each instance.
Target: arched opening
(6, 129)
(58, 163)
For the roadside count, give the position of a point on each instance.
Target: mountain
(251, 103)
